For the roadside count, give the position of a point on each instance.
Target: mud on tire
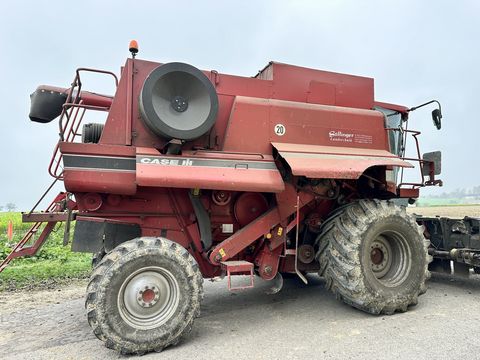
(97, 258)
(144, 295)
(374, 257)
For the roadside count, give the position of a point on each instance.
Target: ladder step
(238, 267)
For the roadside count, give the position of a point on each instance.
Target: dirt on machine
(198, 174)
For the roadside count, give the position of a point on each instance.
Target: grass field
(54, 262)
(454, 211)
(427, 202)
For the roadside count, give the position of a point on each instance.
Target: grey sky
(415, 50)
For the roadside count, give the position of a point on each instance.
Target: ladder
(50, 218)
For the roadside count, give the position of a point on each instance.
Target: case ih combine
(197, 174)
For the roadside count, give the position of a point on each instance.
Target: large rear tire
(144, 295)
(374, 257)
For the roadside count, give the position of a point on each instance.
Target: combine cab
(197, 174)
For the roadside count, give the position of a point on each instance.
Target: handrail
(415, 134)
(98, 71)
(73, 111)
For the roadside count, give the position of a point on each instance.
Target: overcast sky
(415, 50)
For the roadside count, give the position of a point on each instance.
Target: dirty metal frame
(262, 226)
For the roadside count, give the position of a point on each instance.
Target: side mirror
(432, 159)
(436, 114)
(437, 118)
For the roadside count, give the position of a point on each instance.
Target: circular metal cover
(178, 101)
(306, 253)
(92, 201)
(249, 206)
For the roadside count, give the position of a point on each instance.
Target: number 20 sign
(280, 129)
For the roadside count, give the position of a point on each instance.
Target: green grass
(442, 202)
(15, 217)
(53, 262)
(448, 205)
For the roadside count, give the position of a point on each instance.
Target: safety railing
(73, 112)
(421, 162)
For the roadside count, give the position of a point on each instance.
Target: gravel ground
(302, 321)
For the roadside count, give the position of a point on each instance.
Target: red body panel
(100, 181)
(222, 172)
(296, 83)
(324, 162)
(85, 178)
(251, 126)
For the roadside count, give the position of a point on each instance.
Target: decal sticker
(227, 229)
(167, 162)
(340, 136)
(363, 139)
(348, 137)
(203, 162)
(100, 163)
(280, 130)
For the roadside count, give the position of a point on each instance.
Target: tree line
(8, 207)
(459, 193)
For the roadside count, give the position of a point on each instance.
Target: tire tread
(99, 280)
(338, 252)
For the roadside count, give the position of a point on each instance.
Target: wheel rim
(148, 297)
(390, 258)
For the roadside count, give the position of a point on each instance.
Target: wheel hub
(148, 297)
(380, 256)
(377, 256)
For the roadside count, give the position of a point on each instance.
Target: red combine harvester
(197, 174)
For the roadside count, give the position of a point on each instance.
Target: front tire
(374, 257)
(97, 258)
(144, 295)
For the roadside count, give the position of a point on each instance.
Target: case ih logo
(167, 162)
(340, 136)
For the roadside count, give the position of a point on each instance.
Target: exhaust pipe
(46, 102)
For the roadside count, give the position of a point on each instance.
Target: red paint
(250, 206)
(268, 261)
(323, 162)
(235, 179)
(237, 268)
